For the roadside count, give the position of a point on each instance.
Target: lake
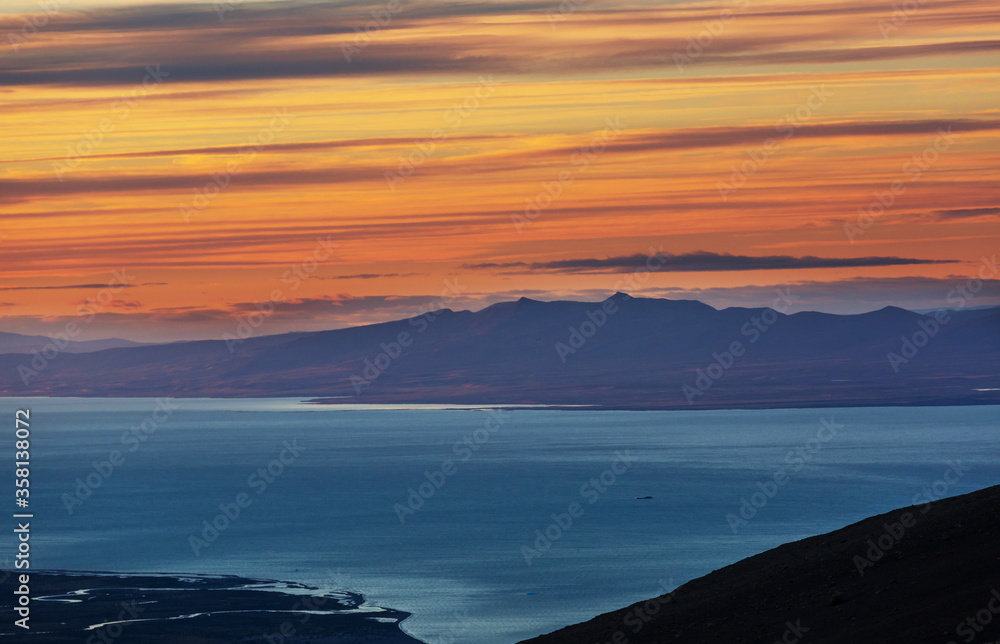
(489, 526)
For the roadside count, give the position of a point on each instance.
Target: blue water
(327, 517)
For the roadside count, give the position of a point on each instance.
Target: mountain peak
(891, 312)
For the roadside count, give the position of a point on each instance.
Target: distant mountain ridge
(623, 352)
(17, 343)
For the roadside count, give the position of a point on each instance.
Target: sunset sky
(488, 150)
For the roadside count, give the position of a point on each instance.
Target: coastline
(817, 404)
(437, 404)
(167, 608)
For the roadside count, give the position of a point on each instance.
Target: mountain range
(17, 343)
(624, 352)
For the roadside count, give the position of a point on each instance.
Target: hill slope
(927, 583)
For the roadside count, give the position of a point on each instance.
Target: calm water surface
(469, 563)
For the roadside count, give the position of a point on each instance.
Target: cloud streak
(462, 162)
(406, 103)
(966, 213)
(65, 287)
(703, 261)
(297, 40)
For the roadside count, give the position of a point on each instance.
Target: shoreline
(410, 405)
(168, 608)
(846, 404)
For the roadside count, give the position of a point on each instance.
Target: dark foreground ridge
(93, 608)
(921, 574)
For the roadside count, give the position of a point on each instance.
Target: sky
(168, 169)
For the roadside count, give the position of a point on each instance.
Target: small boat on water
(642, 498)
